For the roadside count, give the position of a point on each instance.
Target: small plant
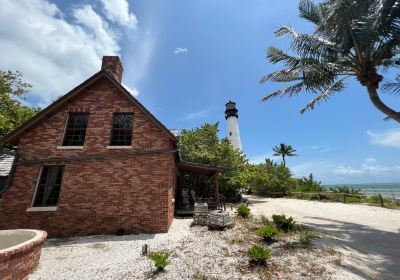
(267, 233)
(160, 259)
(283, 223)
(259, 254)
(243, 211)
(306, 238)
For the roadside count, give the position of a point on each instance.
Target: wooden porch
(197, 183)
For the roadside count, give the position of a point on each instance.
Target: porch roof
(200, 169)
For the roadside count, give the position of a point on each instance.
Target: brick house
(93, 162)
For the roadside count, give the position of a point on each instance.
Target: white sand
(368, 236)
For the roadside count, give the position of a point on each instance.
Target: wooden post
(216, 188)
(381, 200)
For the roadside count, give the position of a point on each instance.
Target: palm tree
(352, 39)
(284, 150)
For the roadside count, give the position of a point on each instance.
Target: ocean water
(385, 189)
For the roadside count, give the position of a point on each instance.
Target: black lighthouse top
(231, 110)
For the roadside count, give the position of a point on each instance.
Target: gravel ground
(346, 248)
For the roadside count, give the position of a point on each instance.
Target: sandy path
(368, 236)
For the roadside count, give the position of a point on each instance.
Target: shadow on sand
(382, 248)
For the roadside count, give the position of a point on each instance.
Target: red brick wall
(19, 263)
(100, 192)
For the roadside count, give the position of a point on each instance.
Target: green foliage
(350, 39)
(283, 223)
(308, 185)
(259, 254)
(267, 233)
(160, 259)
(243, 211)
(346, 190)
(284, 151)
(12, 112)
(262, 179)
(306, 238)
(202, 145)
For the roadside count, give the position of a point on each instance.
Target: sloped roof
(6, 161)
(15, 135)
(197, 168)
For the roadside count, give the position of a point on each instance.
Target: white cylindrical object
(233, 132)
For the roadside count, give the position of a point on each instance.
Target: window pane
(76, 129)
(48, 189)
(122, 129)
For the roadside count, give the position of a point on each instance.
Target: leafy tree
(308, 184)
(202, 145)
(351, 39)
(12, 112)
(284, 151)
(262, 179)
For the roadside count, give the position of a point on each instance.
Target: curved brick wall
(19, 261)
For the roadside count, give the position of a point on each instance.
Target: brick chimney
(114, 65)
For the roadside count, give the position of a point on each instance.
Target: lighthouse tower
(231, 116)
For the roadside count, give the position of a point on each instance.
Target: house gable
(48, 113)
(101, 98)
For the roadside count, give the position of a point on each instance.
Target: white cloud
(390, 138)
(118, 11)
(196, 115)
(133, 91)
(53, 54)
(369, 168)
(180, 50)
(95, 25)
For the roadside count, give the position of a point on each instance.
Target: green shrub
(160, 259)
(267, 233)
(243, 211)
(283, 223)
(259, 254)
(346, 190)
(306, 238)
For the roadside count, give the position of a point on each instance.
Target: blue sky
(185, 59)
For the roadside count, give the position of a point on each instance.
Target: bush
(243, 211)
(259, 254)
(267, 233)
(306, 238)
(308, 185)
(283, 223)
(346, 190)
(160, 259)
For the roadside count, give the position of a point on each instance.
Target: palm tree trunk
(283, 159)
(373, 95)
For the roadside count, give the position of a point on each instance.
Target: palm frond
(325, 94)
(289, 91)
(310, 11)
(392, 87)
(386, 14)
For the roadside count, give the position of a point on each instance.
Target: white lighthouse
(231, 116)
